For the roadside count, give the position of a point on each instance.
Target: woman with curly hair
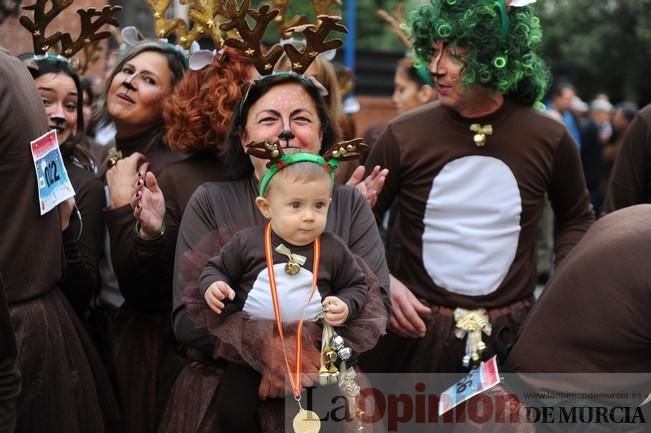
(470, 175)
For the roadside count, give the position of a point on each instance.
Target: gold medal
(306, 421)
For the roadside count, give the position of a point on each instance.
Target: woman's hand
(148, 205)
(121, 177)
(372, 185)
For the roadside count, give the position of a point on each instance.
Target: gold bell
(292, 268)
(480, 139)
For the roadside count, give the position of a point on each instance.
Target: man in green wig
(471, 173)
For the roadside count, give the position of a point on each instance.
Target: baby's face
(298, 210)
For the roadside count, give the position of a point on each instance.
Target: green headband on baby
(286, 160)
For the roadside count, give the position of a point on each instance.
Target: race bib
(477, 381)
(53, 183)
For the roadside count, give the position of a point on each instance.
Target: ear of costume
(61, 43)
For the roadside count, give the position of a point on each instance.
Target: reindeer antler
(322, 7)
(250, 43)
(283, 24)
(91, 55)
(162, 26)
(347, 150)
(41, 20)
(395, 23)
(204, 15)
(89, 29)
(315, 42)
(263, 150)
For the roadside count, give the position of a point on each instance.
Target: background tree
(602, 46)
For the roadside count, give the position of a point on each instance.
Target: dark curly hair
(501, 44)
(199, 112)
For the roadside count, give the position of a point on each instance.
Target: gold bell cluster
(471, 324)
(343, 150)
(332, 355)
(480, 133)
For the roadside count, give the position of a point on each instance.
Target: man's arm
(569, 197)
(629, 178)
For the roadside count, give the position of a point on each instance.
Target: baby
(312, 273)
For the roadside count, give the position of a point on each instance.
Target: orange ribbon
(296, 383)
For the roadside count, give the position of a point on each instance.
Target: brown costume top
(469, 214)
(9, 376)
(630, 180)
(155, 258)
(51, 344)
(121, 223)
(217, 211)
(242, 265)
(28, 239)
(82, 240)
(593, 316)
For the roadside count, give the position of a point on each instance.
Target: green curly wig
(501, 44)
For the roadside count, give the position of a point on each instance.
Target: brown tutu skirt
(440, 351)
(64, 386)
(145, 364)
(191, 408)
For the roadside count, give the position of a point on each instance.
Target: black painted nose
(286, 134)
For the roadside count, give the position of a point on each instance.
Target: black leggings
(237, 400)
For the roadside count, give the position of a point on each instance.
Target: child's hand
(336, 311)
(216, 293)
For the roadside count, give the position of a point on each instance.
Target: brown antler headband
(91, 22)
(250, 44)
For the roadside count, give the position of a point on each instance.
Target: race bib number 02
(477, 381)
(53, 183)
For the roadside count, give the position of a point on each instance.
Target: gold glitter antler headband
(203, 13)
(252, 38)
(89, 26)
